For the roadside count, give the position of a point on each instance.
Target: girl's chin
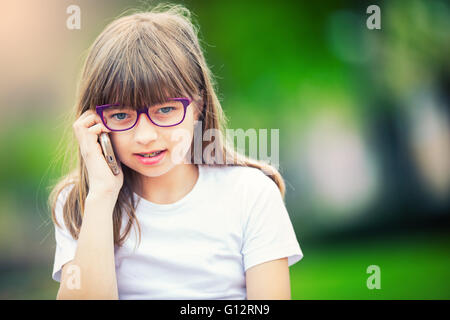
(155, 173)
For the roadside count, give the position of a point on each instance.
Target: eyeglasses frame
(185, 101)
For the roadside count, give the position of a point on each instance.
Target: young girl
(214, 229)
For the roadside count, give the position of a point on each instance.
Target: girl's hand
(87, 129)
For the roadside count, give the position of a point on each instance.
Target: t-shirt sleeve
(66, 245)
(268, 232)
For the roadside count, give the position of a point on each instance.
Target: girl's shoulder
(64, 193)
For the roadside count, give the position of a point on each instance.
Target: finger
(91, 120)
(98, 128)
(80, 121)
(86, 114)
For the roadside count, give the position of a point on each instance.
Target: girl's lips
(152, 160)
(147, 152)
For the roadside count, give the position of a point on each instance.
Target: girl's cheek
(119, 146)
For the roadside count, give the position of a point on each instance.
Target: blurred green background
(363, 118)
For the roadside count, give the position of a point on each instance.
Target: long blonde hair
(142, 59)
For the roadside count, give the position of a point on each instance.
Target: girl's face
(146, 137)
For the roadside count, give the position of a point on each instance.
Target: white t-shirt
(199, 247)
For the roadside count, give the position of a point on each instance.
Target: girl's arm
(269, 281)
(94, 274)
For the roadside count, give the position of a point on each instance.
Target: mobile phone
(108, 152)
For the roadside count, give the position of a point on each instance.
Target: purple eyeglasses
(170, 119)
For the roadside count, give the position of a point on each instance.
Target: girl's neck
(171, 186)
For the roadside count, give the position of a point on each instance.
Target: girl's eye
(120, 118)
(166, 110)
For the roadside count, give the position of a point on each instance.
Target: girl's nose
(145, 130)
